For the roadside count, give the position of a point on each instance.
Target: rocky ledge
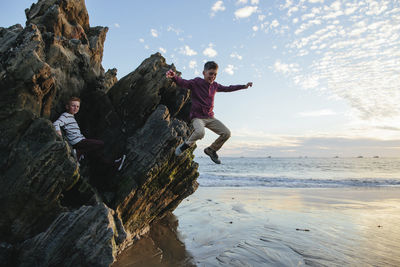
(53, 211)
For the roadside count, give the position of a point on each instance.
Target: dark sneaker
(212, 154)
(121, 161)
(182, 147)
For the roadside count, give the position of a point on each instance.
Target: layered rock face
(53, 211)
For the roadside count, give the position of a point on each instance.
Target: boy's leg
(89, 147)
(219, 128)
(92, 147)
(198, 133)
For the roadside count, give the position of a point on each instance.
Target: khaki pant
(214, 125)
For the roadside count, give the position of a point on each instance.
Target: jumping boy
(202, 92)
(83, 146)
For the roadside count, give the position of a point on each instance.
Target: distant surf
(300, 172)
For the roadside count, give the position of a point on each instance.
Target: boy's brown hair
(74, 98)
(210, 65)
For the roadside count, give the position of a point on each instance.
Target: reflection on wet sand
(159, 248)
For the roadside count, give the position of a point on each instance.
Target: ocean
(299, 172)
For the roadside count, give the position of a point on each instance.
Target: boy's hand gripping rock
(170, 74)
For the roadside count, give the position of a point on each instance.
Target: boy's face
(73, 107)
(210, 75)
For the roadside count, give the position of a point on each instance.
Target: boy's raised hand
(170, 74)
(249, 84)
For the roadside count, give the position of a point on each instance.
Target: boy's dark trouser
(92, 148)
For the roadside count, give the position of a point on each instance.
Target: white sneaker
(182, 147)
(122, 160)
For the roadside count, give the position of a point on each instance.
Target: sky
(326, 73)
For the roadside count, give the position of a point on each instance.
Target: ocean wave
(210, 180)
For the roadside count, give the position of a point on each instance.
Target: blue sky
(326, 73)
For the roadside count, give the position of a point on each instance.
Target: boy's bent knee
(200, 134)
(226, 134)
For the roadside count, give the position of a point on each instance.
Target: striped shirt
(68, 123)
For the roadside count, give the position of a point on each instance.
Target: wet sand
(283, 227)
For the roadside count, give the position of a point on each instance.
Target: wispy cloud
(236, 55)
(175, 30)
(257, 143)
(163, 50)
(317, 113)
(245, 12)
(285, 68)
(116, 25)
(355, 55)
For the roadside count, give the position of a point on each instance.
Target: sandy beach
(279, 227)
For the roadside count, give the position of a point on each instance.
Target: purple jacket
(202, 94)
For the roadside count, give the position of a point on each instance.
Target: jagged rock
(139, 93)
(154, 180)
(51, 207)
(110, 79)
(85, 237)
(39, 169)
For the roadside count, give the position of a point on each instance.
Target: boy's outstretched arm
(178, 80)
(231, 88)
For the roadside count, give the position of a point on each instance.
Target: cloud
(154, 33)
(230, 69)
(116, 25)
(241, 2)
(354, 59)
(186, 50)
(245, 12)
(209, 51)
(236, 55)
(176, 31)
(141, 40)
(163, 50)
(274, 23)
(285, 68)
(246, 142)
(317, 113)
(255, 28)
(192, 64)
(218, 6)
(315, 1)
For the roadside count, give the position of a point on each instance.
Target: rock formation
(53, 211)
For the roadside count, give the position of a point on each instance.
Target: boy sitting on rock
(202, 92)
(88, 147)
